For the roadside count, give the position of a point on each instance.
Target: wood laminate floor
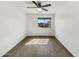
(39, 47)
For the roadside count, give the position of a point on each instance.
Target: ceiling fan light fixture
(39, 9)
(39, 6)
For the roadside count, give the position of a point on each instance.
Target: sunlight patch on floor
(38, 41)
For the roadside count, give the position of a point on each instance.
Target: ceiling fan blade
(32, 7)
(47, 5)
(44, 9)
(35, 3)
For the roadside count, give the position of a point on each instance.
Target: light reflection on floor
(38, 41)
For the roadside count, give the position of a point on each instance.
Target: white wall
(12, 25)
(34, 30)
(67, 25)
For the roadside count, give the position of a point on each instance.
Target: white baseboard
(9, 48)
(67, 47)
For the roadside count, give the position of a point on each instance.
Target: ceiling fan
(39, 5)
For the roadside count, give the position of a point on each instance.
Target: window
(44, 22)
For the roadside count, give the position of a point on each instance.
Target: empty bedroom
(39, 28)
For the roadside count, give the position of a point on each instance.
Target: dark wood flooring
(39, 47)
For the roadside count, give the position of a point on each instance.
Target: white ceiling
(56, 6)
